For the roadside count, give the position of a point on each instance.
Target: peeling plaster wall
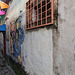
(64, 39)
(37, 48)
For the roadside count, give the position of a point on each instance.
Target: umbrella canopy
(2, 12)
(3, 5)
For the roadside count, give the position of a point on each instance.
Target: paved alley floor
(4, 68)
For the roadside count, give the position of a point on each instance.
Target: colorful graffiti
(16, 38)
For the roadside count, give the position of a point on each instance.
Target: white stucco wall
(38, 52)
(64, 63)
(37, 48)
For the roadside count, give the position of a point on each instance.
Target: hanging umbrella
(3, 5)
(2, 12)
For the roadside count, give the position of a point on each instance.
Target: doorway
(3, 30)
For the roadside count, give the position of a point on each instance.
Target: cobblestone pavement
(4, 68)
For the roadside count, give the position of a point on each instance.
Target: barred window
(39, 13)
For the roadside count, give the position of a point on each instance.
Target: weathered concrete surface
(38, 52)
(37, 48)
(64, 39)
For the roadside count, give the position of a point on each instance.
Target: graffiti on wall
(16, 38)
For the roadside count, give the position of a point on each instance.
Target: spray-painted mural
(16, 38)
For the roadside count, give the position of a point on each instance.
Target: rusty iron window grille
(39, 13)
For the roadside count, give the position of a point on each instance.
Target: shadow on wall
(18, 68)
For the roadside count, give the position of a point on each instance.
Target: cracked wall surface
(64, 42)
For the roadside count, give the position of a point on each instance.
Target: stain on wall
(16, 38)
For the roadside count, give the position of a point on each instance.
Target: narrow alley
(37, 37)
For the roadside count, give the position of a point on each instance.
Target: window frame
(32, 17)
